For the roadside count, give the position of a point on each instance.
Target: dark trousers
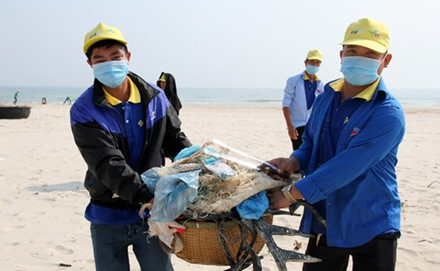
(296, 143)
(377, 255)
(110, 248)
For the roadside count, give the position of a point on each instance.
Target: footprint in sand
(12, 228)
(63, 250)
(4, 202)
(13, 244)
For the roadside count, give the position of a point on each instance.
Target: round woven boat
(14, 112)
(201, 244)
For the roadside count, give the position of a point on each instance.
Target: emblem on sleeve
(355, 131)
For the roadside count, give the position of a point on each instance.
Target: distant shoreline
(408, 108)
(248, 97)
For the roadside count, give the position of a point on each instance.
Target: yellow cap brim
(368, 44)
(89, 44)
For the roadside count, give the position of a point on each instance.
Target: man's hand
(150, 204)
(285, 165)
(145, 206)
(293, 133)
(278, 201)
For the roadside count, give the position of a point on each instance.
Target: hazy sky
(206, 43)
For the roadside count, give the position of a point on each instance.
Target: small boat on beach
(14, 111)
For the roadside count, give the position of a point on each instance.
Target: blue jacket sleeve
(289, 93)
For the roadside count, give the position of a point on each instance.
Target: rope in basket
(202, 245)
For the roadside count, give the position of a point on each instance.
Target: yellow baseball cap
(368, 33)
(102, 32)
(314, 54)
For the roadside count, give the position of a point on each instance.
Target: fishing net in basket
(215, 195)
(206, 241)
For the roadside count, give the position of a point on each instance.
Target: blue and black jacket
(99, 132)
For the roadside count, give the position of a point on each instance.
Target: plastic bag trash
(219, 168)
(150, 178)
(165, 231)
(187, 152)
(253, 207)
(173, 195)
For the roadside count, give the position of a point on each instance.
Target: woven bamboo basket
(201, 243)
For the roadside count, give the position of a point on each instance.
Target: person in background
(16, 95)
(348, 156)
(68, 99)
(167, 83)
(120, 125)
(299, 96)
(43, 100)
(162, 81)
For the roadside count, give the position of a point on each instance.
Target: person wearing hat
(120, 125)
(167, 83)
(348, 157)
(299, 96)
(68, 100)
(162, 81)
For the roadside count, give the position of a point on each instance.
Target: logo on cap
(368, 33)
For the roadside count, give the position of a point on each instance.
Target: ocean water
(211, 96)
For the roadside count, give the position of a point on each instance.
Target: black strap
(242, 262)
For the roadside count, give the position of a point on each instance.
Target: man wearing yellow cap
(299, 96)
(122, 126)
(348, 157)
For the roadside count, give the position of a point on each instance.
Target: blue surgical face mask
(312, 69)
(360, 71)
(111, 73)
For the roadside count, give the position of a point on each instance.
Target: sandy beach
(42, 198)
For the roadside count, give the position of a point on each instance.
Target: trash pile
(210, 207)
(204, 180)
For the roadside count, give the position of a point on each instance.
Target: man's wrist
(287, 194)
(291, 129)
